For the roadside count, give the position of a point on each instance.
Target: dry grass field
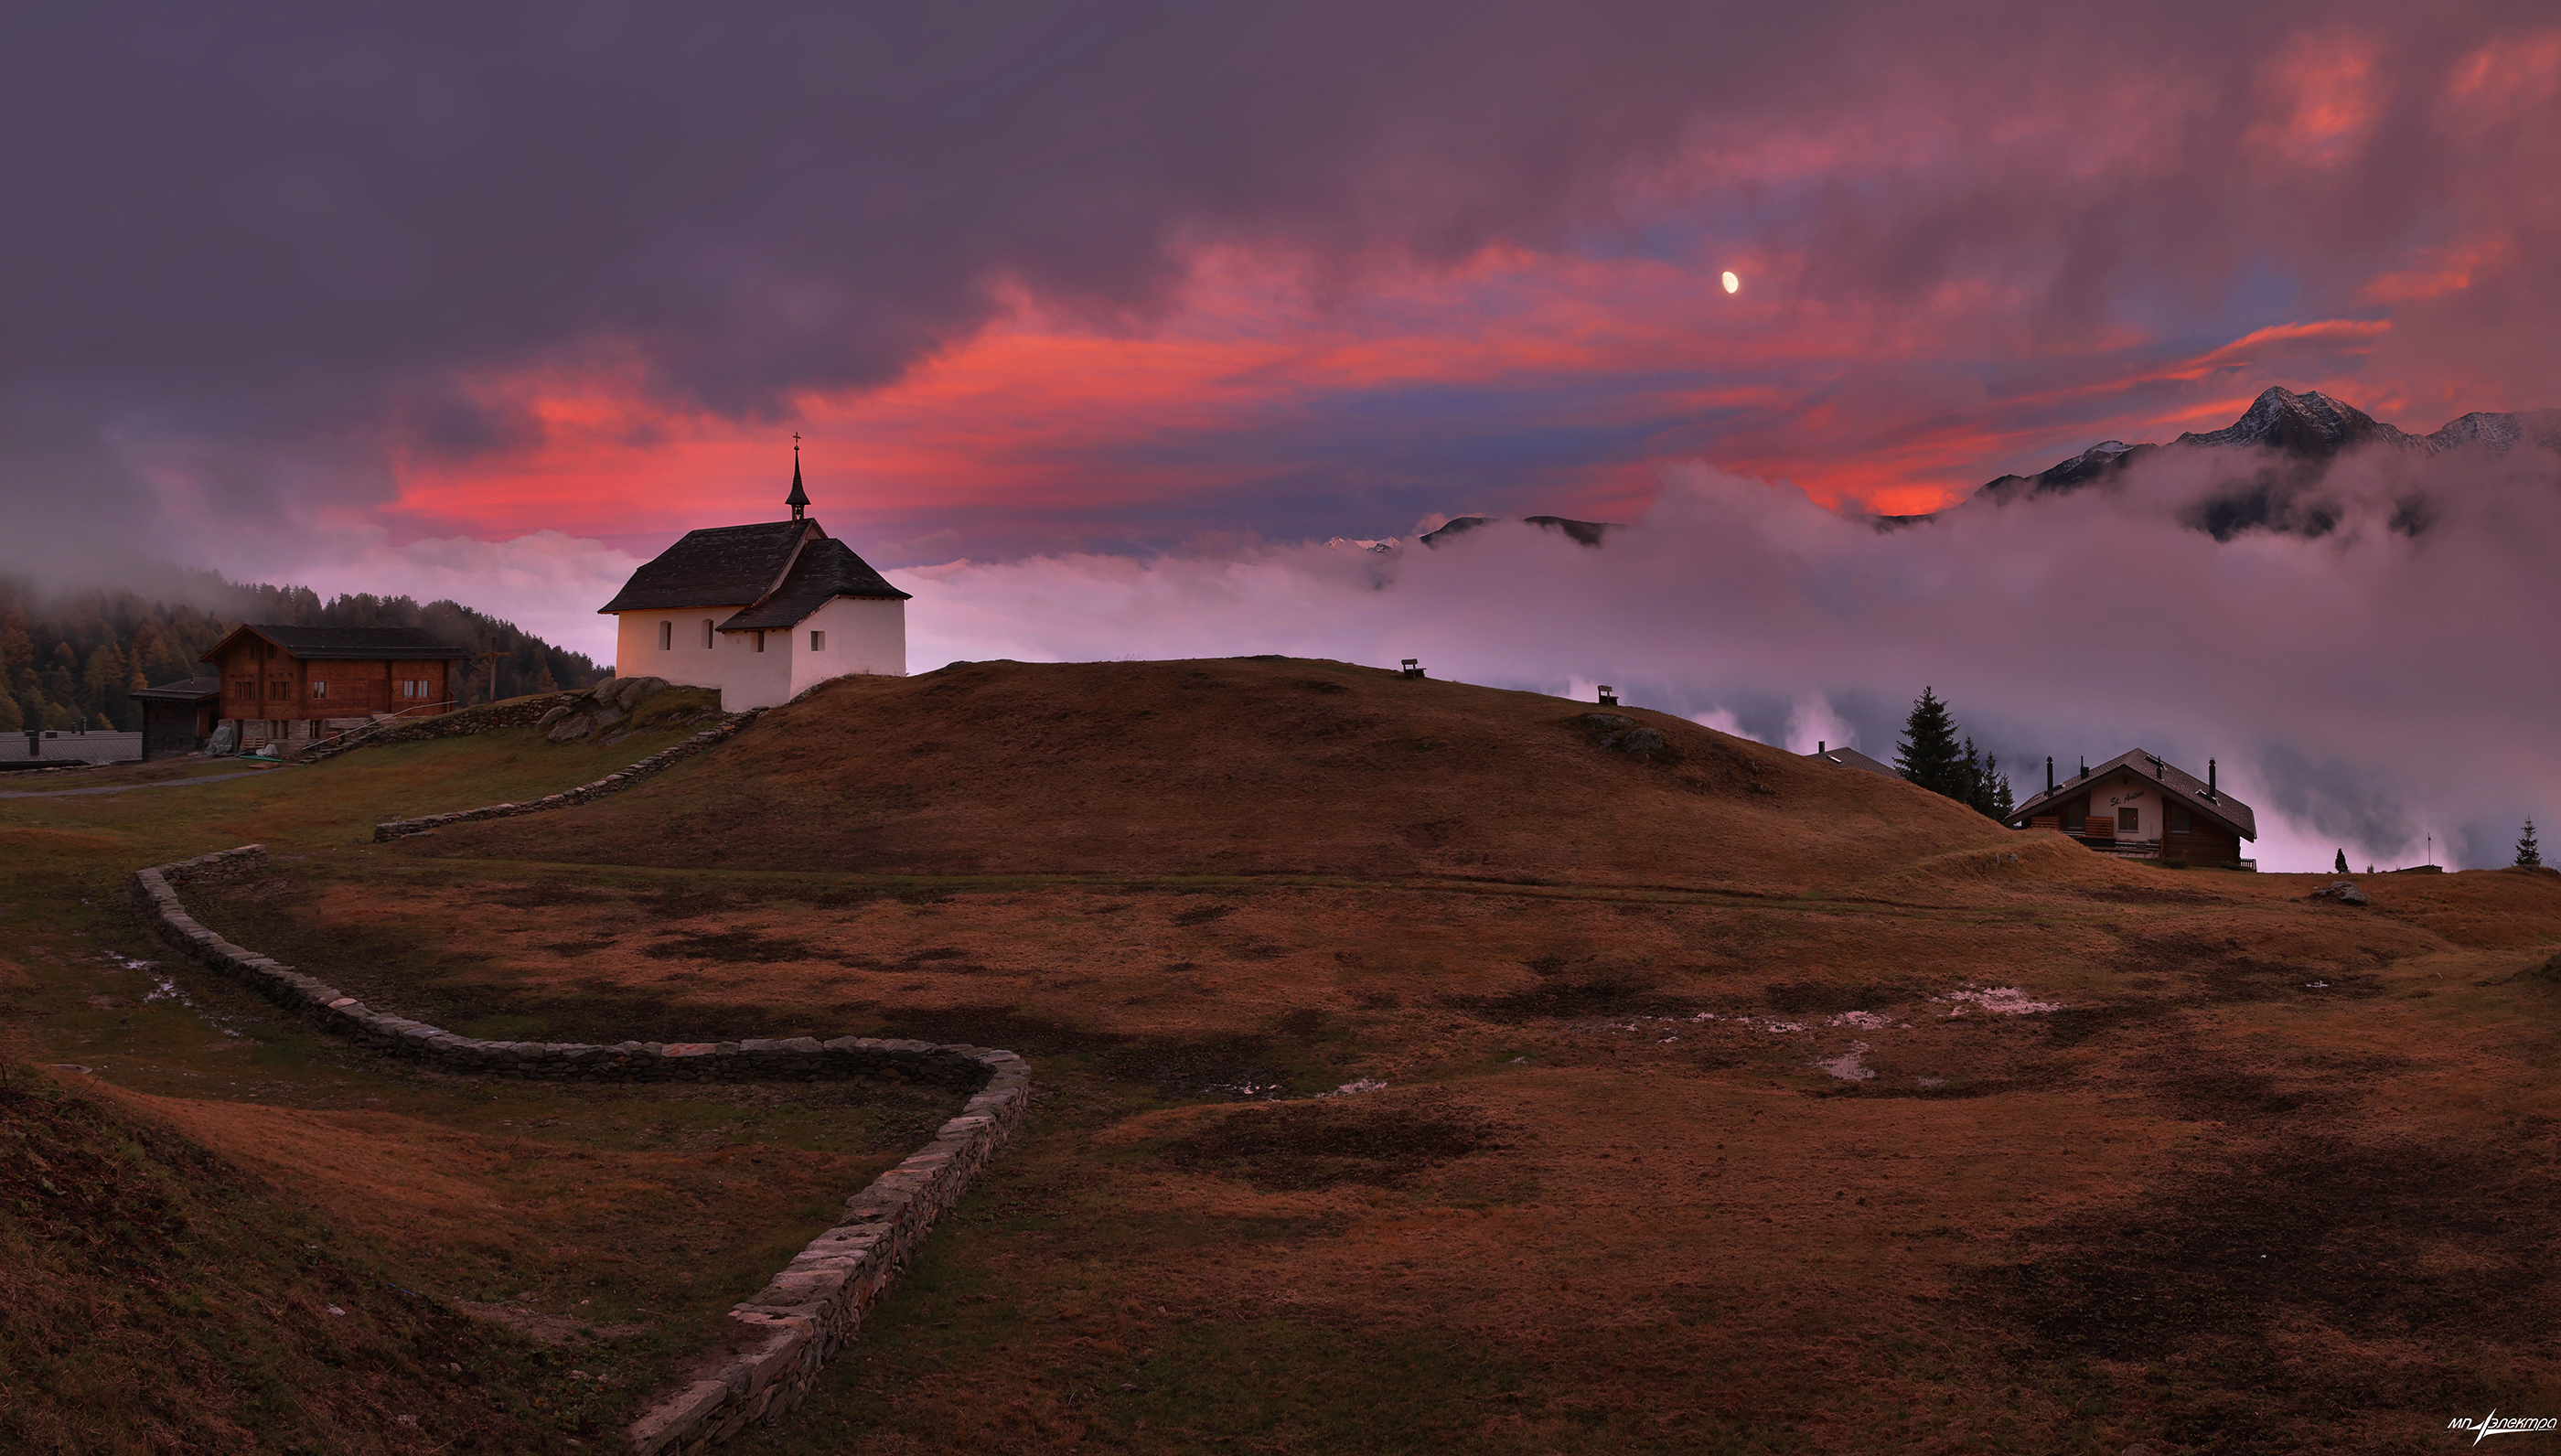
(1423, 1068)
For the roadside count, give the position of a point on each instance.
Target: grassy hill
(1701, 1097)
(1250, 766)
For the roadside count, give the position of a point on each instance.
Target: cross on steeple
(798, 500)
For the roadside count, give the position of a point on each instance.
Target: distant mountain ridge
(2304, 433)
(2281, 447)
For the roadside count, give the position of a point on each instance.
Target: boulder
(558, 712)
(571, 728)
(2345, 892)
(1626, 735)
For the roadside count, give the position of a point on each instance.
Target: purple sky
(1126, 307)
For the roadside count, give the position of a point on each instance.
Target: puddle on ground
(1850, 1065)
(165, 987)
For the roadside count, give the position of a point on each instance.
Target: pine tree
(1927, 753)
(2341, 867)
(2529, 852)
(1986, 787)
(11, 719)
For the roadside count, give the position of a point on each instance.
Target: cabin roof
(189, 690)
(827, 569)
(348, 644)
(719, 565)
(2176, 784)
(1852, 759)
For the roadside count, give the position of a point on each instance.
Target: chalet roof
(349, 644)
(1852, 759)
(2177, 786)
(719, 565)
(189, 690)
(827, 569)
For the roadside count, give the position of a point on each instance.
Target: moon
(1733, 284)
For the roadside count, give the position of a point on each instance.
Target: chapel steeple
(798, 500)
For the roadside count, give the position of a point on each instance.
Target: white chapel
(761, 612)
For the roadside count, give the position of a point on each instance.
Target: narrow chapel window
(817, 642)
(707, 634)
(666, 635)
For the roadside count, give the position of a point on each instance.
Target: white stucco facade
(758, 669)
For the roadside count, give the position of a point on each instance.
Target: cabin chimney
(2212, 796)
(1608, 696)
(2085, 769)
(2049, 773)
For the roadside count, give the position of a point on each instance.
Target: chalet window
(412, 688)
(278, 691)
(817, 642)
(707, 634)
(2179, 820)
(2130, 821)
(319, 689)
(2072, 819)
(666, 636)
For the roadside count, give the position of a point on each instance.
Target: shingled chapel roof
(720, 565)
(827, 569)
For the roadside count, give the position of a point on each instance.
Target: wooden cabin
(283, 684)
(2141, 806)
(177, 717)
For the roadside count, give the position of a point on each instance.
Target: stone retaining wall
(523, 713)
(781, 1337)
(611, 783)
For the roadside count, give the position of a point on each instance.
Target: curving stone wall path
(613, 783)
(781, 1337)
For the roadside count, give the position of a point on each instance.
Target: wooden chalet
(2141, 806)
(177, 717)
(298, 683)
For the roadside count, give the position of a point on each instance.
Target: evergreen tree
(1987, 789)
(1927, 753)
(2341, 867)
(2529, 852)
(1997, 802)
(11, 719)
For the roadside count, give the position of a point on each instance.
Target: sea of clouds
(2365, 689)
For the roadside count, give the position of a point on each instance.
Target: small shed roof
(826, 569)
(189, 690)
(348, 644)
(719, 565)
(1852, 759)
(2177, 786)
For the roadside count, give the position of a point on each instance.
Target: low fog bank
(2364, 690)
